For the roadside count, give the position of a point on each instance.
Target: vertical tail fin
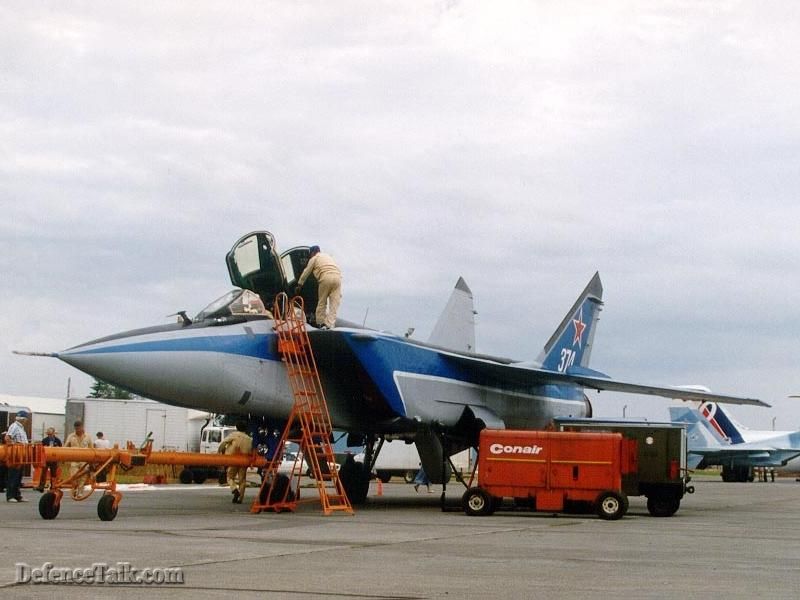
(722, 422)
(455, 328)
(699, 431)
(571, 343)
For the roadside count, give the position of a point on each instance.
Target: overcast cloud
(521, 145)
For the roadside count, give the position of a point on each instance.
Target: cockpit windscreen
(237, 302)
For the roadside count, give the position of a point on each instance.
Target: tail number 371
(567, 359)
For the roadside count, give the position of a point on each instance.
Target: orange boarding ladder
(309, 422)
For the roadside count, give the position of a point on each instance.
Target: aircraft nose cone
(150, 364)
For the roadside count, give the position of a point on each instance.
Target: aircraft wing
(767, 457)
(749, 454)
(523, 374)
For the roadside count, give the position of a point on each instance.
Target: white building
(47, 412)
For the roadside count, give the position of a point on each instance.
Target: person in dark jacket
(51, 440)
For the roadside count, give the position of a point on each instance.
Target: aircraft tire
(185, 476)
(610, 506)
(663, 506)
(477, 503)
(106, 509)
(48, 509)
(355, 480)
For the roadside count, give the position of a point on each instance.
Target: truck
(551, 471)
(662, 475)
(210, 436)
(397, 458)
(400, 458)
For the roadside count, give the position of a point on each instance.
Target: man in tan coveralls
(238, 442)
(77, 439)
(329, 279)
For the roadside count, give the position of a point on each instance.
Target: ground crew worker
(3, 468)
(238, 442)
(77, 439)
(51, 441)
(101, 442)
(329, 291)
(16, 434)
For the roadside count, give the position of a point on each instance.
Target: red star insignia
(579, 327)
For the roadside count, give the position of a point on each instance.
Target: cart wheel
(663, 506)
(477, 503)
(106, 509)
(610, 506)
(48, 508)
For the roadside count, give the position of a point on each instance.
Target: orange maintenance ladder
(309, 422)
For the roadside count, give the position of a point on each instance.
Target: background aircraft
(438, 393)
(716, 438)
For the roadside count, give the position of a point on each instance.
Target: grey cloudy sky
(521, 145)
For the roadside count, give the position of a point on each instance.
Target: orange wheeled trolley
(548, 471)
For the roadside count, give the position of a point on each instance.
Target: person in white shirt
(101, 442)
(16, 434)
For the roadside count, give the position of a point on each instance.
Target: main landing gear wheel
(477, 503)
(611, 506)
(48, 508)
(106, 509)
(355, 481)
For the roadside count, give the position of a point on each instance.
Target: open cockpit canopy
(254, 264)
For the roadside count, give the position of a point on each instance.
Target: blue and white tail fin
(722, 422)
(455, 328)
(699, 430)
(570, 346)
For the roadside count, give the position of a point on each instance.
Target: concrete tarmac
(730, 539)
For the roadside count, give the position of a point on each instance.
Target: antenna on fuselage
(366, 313)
